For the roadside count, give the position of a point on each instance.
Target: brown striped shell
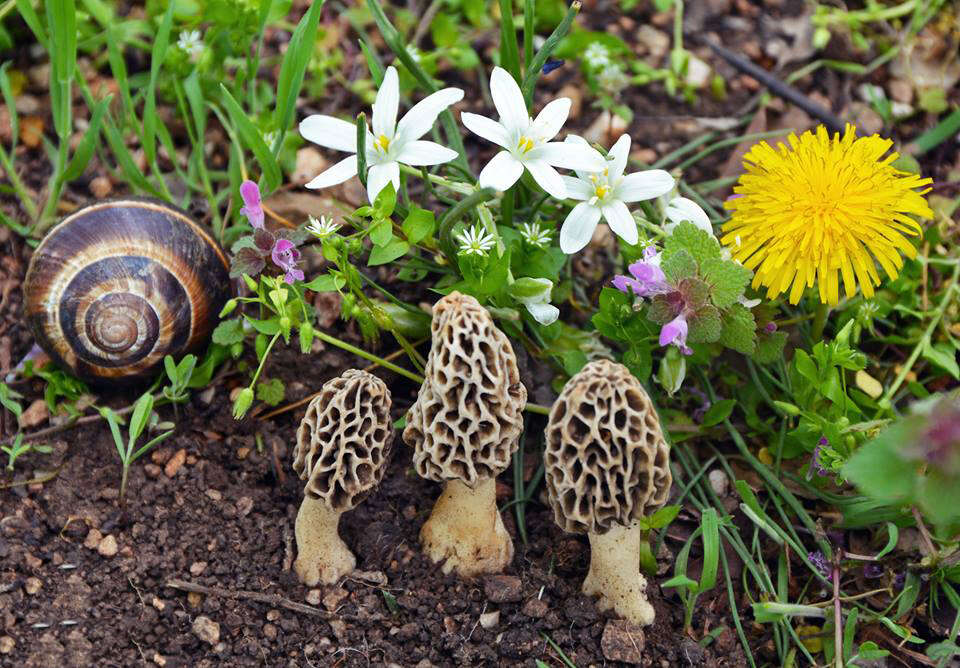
(120, 284)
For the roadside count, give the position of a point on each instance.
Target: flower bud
(228, 308)
(306, 337)
(242, 403)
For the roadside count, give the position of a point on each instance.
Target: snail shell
(120, 284)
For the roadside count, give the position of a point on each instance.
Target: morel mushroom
(464, 428)
(606, 467)
(343, 446)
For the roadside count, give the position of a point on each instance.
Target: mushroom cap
(345, 439)
(469, 411)
(606, 460)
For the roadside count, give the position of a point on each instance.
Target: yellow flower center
(382, 143)
(601, 191)
(825, 210)
(525, 145)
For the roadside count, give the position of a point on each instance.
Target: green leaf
(680, 581)
(228, 332)
(84, 150)
(141, 413)
(704, 325)
(445, 30)
(877, 468)
(326, 283)
(695, 292)
(62, 21)
(661, 517)
(252, 139)
(393, 250)
(943, 355)
(269, 326)
(718, 412)
(769, 346)
(739, 329)
(727, 280)
(271, 392)
(939, 496)
(679, 265)
(381, 233)
(158, 53)
(385, 202)
(294, 63)
(419, 224)
(699, 243)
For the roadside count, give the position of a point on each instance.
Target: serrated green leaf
(695, 292)
(700, 244)
(769, 347)
(704, 325)
(662, 309)
(271, 392)
(679, 265)
(228, 332)
(384, 254)
(739, 330)
(727, 280)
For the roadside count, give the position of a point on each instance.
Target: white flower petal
(580, 141)
(643, 185)
(578, 188)
(339, 173)
(501, 172)
(569, 156)
(330, 132)
(617, 156)
(487, 128)
(551, 118)
(545, 314)
(547, 178)
(379, 176)
(680, 209)
(508, 100)
(578, 227)
(422, 153)
(386, 104)
(421, 117)
(620, 220)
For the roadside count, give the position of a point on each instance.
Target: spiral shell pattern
(120, 284)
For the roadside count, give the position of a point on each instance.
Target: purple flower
(771, 327)
(815, 462)
(251, 200)
(285, 255)
(648, 279)
(675, 332)
(820, 563)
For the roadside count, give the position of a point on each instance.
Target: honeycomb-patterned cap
(469, 412)
(606, 459)
(345, 439)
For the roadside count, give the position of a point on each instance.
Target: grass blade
(251, 137)
(150, 105)
(936, 135)
(536, 65)
(84, 150)
(62, 20)
(10, 101)
(509, 54)
(373, 63)
(125, 160)
(295, 63)
(32, 20)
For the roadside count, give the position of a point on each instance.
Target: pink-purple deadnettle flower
(675, 332)
(285, 255)
(251, 204)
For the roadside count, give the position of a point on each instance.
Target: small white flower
(535, 296)
(748, 303)
(680, 209)
(612, 79)
(526, 142)
(192, 43)
(391, 142)
(596, 56)
(535, 235)
(605, 192)
(474, 240)
(269, 138)
(322, 228)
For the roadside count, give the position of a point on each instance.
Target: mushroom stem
(465, 530)
(615, 576)
(321, 555)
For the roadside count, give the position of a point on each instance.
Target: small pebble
(488, 620)
(198, 567)
(100, 186)
(719, 482)
(313, 597)
(244, 506)
(206, 629)
(32, 585)
(174, 463)
(108, 546)
(6, 644)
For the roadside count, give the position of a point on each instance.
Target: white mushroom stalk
(526, 142)
(605, 193)
(391, 143)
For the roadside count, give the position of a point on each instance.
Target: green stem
(819, 322)
(263, 360)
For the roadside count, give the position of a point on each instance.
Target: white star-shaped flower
(526, 142)
(605, 193)
(390, 143)
(534, 235)
(322, 228)
(475, 241)
(191, 42)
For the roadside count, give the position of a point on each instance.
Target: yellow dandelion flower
(821, 206)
